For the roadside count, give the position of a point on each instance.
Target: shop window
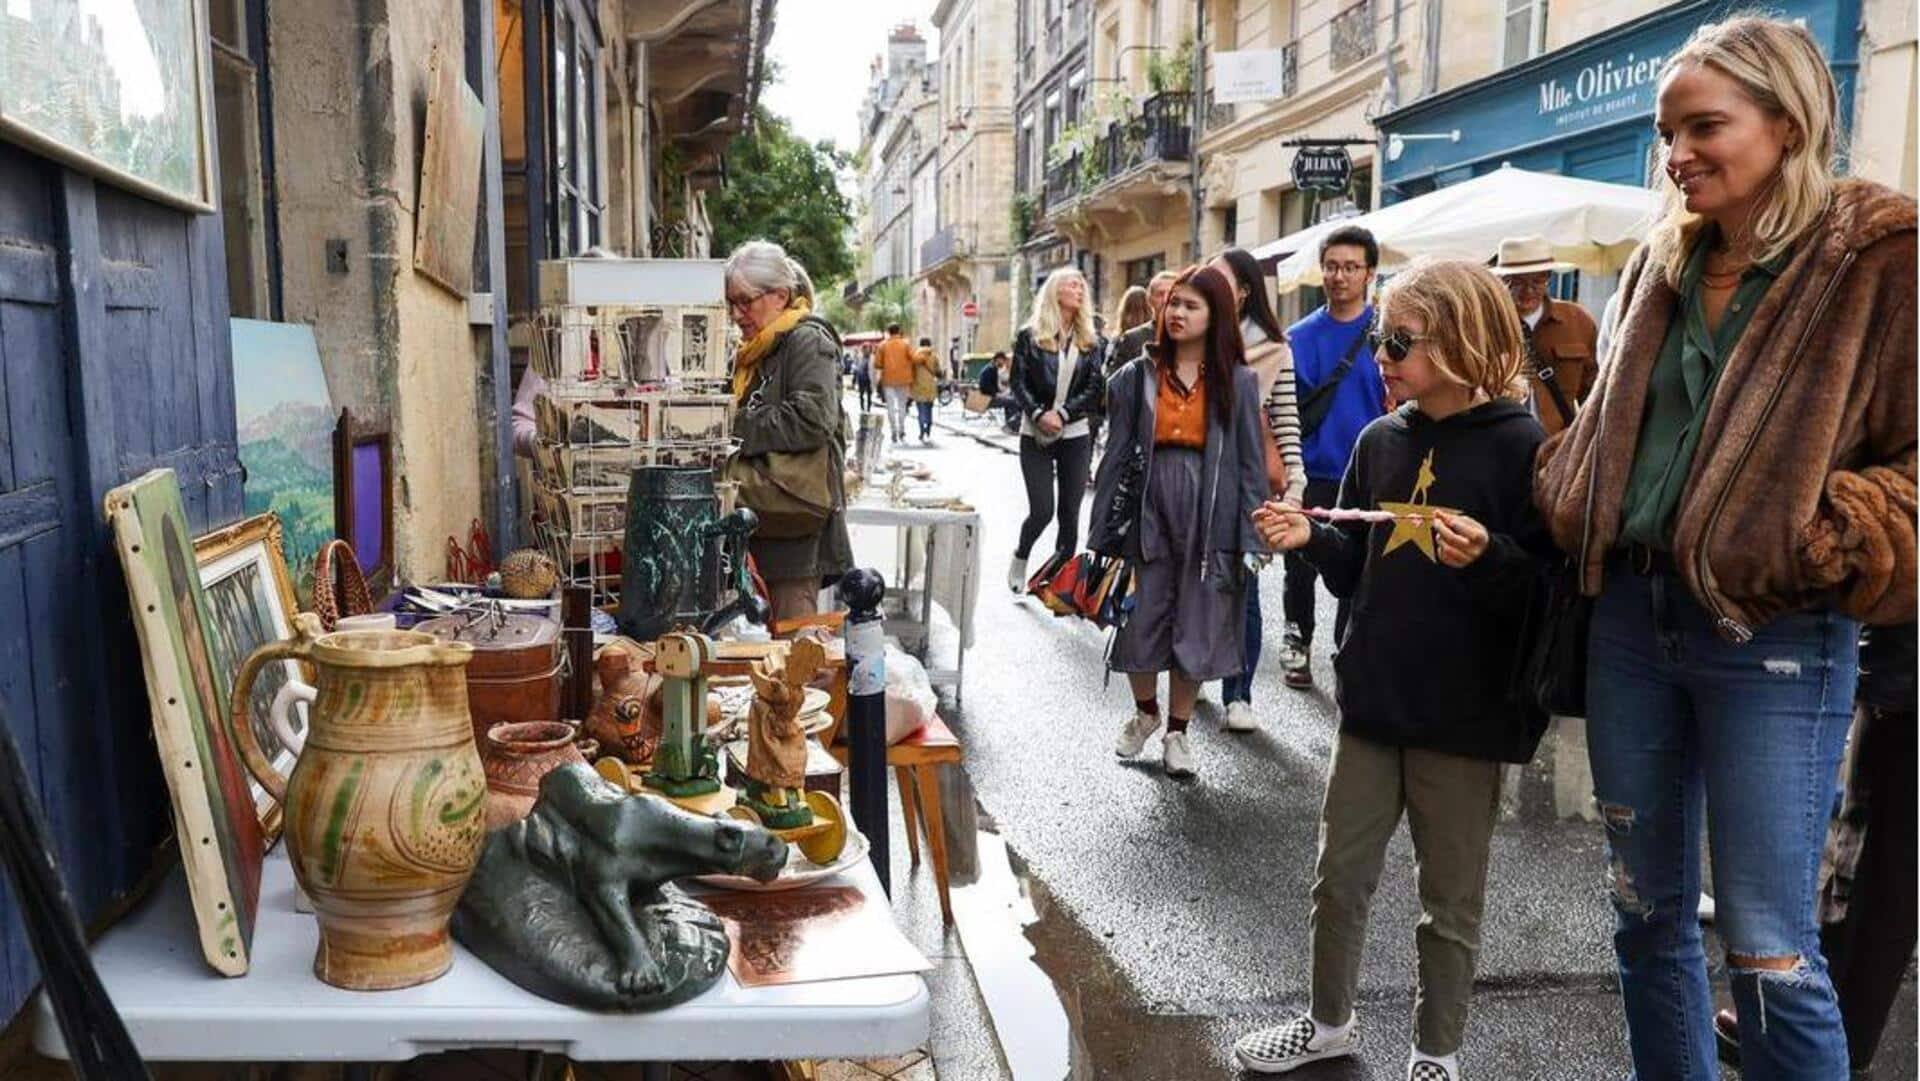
(578, 199)
(1141, 271)
(1525, 32)
(1229, 226)
(245, 157)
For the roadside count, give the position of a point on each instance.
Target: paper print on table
(118, 88)
(213, 812)
(286, 424)
(810, 935)
(250, 603)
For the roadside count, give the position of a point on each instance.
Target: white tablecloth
(954, 578)
(178, 1009)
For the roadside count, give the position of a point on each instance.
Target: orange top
(894, 358)
(1180, 415)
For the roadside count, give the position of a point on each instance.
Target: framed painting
(213, 812)
(121, 89)
(363, 495)
(285, 417)
(250, 603)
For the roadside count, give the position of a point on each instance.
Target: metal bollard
(861, 590)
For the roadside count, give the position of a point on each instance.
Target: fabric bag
(978, 401)
(1556, 668)
(791, 492)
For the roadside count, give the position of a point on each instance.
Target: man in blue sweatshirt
(1340, 392)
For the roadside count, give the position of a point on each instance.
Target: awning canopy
(862, 337)
(1592, 225)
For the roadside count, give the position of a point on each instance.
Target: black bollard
(861, 590)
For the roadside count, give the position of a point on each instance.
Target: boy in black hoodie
(1436, 541)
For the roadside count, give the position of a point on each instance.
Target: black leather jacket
(1036, 370)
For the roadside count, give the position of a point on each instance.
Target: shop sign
(1249, 75)
(1609, 88)
(1322, 168)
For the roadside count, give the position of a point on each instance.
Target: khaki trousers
(1450, 803)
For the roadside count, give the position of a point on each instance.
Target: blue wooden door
(113, 361)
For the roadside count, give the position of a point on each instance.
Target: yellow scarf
(753, 352)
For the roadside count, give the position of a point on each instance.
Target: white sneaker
(1429, 1069)
(1133, 737)
(1239, 717)
(1017, 575)
(1292, 1045)
(1176, 755)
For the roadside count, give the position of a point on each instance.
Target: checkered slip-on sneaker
(1289, 1046)
(1423, 1070)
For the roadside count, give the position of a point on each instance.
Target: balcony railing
(942, 246)
(1161, 131)
(1352, 32)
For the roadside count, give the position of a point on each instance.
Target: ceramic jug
(386, 808)
(677, 551)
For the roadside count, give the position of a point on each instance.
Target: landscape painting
(286, 421)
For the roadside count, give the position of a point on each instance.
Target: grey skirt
(1181, 622)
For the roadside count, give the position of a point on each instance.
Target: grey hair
(764, 265)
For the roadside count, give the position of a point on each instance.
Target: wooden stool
(916, 761)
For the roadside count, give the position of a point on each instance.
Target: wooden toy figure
(683, 764)
(776, 769)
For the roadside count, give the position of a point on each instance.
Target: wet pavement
(1171, 917)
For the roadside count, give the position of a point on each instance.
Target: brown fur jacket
(1802, 491)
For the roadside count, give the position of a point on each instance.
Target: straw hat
(1526, 255)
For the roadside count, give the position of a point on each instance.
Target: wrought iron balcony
(948, 243)
(1161, 132)
(1353, 37)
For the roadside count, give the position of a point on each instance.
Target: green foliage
(1172, 71)
(889, 302)
(1020, 217)
(833, 307)
(782, 188)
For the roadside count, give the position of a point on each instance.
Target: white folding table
(939, 550)
(178, 1009)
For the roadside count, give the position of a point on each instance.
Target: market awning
(862, 337)
(1592, 225)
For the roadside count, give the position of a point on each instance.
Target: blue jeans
(925, 409)
(1685, 728)
(1240, 688)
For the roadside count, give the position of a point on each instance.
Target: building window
(578, 199)
(1525, 35)
(1141, 271)
(1229, 226)
(245, 165)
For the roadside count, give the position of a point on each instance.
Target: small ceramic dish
(800, 871)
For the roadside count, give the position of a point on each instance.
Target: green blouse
(1679, 392)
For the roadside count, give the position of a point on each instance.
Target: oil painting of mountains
(286, 424)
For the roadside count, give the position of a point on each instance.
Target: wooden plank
(26, 513)
(212, 374)
(28, 274)
(449, 189)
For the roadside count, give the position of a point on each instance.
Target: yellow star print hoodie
(1433, 654)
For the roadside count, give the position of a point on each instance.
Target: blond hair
(1046, 323)
(1473, 330)
(1780, 68)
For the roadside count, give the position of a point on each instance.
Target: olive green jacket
(793, 405)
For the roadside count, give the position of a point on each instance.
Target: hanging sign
(1249, 75)
(1322, 168)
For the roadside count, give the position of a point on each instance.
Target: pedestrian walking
(926, 386)
(1738, 496)
(1056, 383)
(1428, 704)
(895, 361)
(863, 377)
(1338, 391)
(1561, 336)
(787, 394)
(1186, 442)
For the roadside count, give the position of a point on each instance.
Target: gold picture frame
(250, 603)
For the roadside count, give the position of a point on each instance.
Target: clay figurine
(683, 763)
(572, 902)
(626, 716)
(776, 769)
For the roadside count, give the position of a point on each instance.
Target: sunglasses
(1399, 344)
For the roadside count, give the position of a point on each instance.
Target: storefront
(1585, 110)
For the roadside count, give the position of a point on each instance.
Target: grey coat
(1233, 469)
(793, 405)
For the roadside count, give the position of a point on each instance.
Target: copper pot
(515, 674)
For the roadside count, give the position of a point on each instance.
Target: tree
(889, 302)
(782, 188)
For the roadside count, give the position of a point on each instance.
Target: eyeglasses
(1399, 345)
(1527, 283)
(1342, 270)
(740, 304)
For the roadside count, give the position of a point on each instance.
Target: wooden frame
(15, 126)
(359, 446)
(220, 842)
(250, 603)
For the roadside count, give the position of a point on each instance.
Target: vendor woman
(1187, 440)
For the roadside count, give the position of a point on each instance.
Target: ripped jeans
(1686, 729)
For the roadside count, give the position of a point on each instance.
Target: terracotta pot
(515, 674)
(518, 755)
(385, 811)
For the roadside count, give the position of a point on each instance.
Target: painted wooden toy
(775, 795)
(685, 768)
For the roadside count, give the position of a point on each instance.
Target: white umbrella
(1590, 224)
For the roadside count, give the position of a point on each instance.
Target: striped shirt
(1282, 409)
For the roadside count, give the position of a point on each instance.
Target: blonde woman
(1428, 713)
(1056, 384)
(1738, 496)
